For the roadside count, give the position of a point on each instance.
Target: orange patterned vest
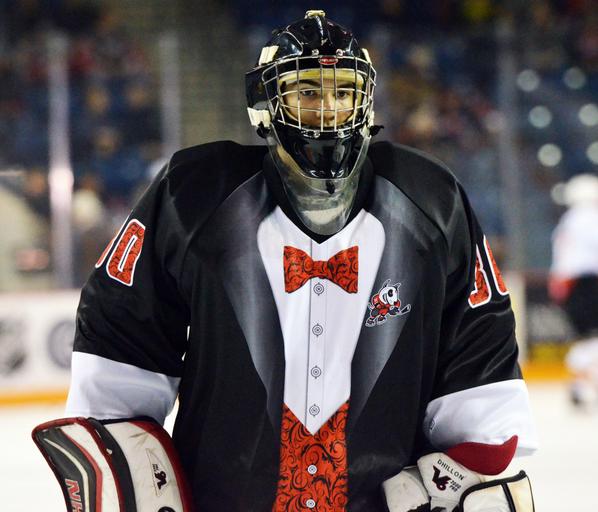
(313, 468)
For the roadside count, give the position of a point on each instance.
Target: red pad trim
(488, 459)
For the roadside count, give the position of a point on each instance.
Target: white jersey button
(312, 469)
(310, 503)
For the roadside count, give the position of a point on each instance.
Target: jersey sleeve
(479, 394)
(132, 318)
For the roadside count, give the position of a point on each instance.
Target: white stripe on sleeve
(106, 389)
(489, 414)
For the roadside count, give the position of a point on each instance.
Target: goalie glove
(406, 492)
(450, 486)
(464, 479)
(114, 465)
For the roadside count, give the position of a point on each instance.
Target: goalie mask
(311, 97)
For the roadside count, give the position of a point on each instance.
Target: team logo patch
(386, 303)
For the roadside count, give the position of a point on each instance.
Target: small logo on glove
(440, 481)
(160, 479)
(158, 469)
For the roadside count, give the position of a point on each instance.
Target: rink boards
(36, 340)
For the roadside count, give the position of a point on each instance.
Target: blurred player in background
(328, 312)
(573, 280)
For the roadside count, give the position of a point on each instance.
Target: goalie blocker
(114, 465)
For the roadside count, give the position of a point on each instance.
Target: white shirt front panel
(320, 321)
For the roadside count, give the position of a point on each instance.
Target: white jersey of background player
(574, 279)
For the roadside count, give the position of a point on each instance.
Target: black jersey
(213, 290)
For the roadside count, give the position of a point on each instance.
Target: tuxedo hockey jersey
(309, 369)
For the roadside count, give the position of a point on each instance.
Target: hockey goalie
(327, 311)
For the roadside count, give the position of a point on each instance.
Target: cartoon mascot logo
(386, 302)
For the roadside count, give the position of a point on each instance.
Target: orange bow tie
(341, 269)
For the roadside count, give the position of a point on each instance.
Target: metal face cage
(321, 94)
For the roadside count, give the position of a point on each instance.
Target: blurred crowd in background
(113, 116)
(438, 90)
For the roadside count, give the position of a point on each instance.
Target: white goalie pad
(114, 466)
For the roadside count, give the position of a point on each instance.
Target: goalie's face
(319, 104)
(319, 139)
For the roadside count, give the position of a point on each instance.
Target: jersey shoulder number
(482, 292)
(125, 253)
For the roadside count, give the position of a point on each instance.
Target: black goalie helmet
(310, 96)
